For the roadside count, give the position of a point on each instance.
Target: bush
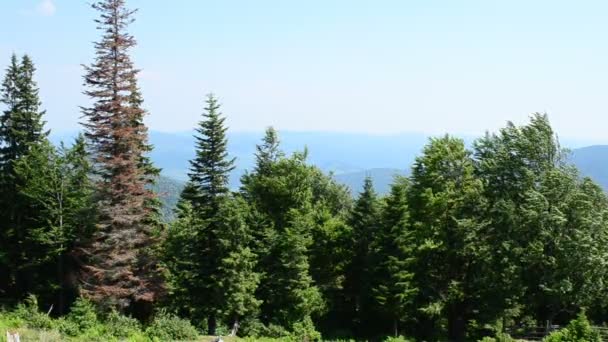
(397, 339)
(33, 318)
(251, 328)
(578, 330)
(67, 327)
(305, 331)
(8, 320)
(500, 337)
(275, 331)
(121, 326)
(82, 317)
(169, 327)
(222, 330)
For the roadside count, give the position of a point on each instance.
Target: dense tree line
(478, 240)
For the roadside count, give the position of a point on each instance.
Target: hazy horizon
(385, 68)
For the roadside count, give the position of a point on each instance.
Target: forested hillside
(590, 161)
(480, 240)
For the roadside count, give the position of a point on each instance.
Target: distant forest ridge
(379, 157)
(349, 156)
(346, 155)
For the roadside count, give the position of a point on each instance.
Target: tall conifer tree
(199, 271)
(210, 169)
(393, 258)
(365, 222)
(119, 271)
(21, 129)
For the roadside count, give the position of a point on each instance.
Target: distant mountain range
(592, 162)
(349, 156)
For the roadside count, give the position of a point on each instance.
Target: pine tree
(21, 130)
(119, 272)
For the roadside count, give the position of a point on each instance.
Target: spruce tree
(21, 130)
(210, 169)
(119, 271)
(56, 187)
(224, 291)
(281, 194)
(237, 275)
(293, 294)
(393, 258)
(365, 223)
(201, 272)
(268, 152)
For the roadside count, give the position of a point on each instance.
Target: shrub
(500, 337)
(169, 327)
(33, 318)
(305, 331)
(251, 328)
(82, 316)
(67, 327)
(222, 330)
(397, 339)
(578, 330)
(8, 320)
(275, 331)
(121, 326)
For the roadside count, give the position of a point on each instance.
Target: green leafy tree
(444, 199)
(541, 219)
(578, 330)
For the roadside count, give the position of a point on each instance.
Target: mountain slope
(592, 161)
(349, 156)
(382, 179)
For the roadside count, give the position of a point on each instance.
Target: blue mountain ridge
(350, 157)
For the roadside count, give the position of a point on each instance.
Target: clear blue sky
(337, 65)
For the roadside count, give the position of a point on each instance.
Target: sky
(380, 67)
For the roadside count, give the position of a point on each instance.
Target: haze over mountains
(350, 156)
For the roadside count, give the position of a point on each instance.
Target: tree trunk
(235, 327)
(456, 324)
(211, 324)
(396, 327)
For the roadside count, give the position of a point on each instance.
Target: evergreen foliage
(120, 269)
(208, 250)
